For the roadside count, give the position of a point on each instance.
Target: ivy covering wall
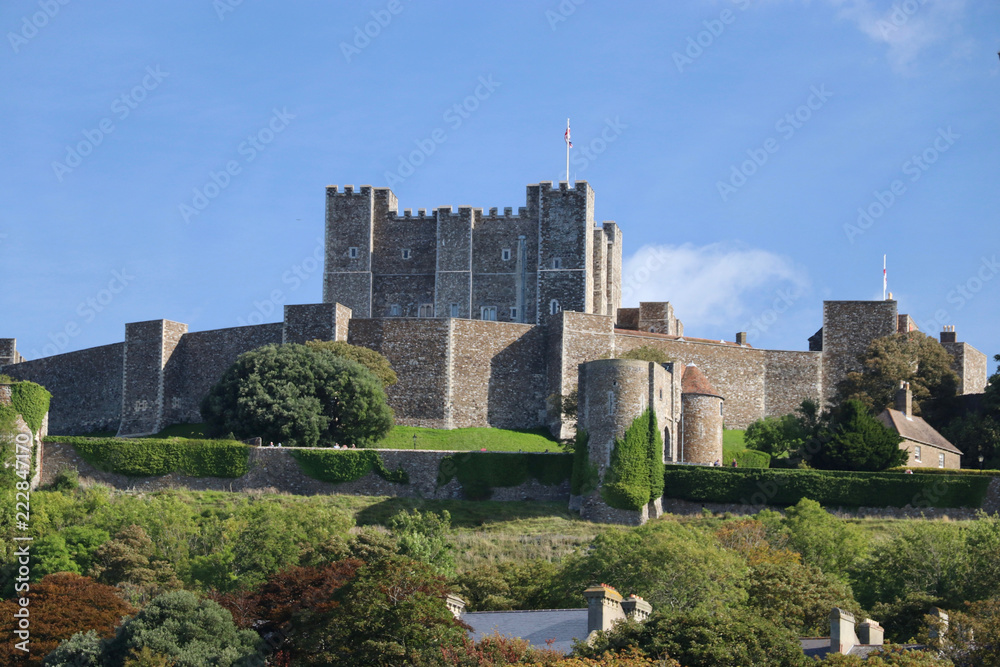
(635, 473)
(148, 457)
(480, 472)
(585, 477)
(339, 466)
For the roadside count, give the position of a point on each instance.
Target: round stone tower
(701, 420)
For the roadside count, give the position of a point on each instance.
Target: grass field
(470, 439)
(733, 439)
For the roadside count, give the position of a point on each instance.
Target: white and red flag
(568, 142)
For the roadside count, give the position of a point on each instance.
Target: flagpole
(885, 278)
(567, 151)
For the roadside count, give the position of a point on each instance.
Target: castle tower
(565, 248)
(970, 364)
(849, 327)
(350, 241)
(701, 419)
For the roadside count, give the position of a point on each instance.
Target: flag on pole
(568, 142)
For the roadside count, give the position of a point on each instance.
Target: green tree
(912, 357)
(797, 596)
(858, 441)
(370, 359)
(823, 540)
(300, 396)
(424, 537)
(511, 584)
(127, 562)
(777, 436)
(972, 638)
(83, 649)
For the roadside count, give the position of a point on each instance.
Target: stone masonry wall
(701, 440)
(497, 374)
(573, 338)
(971, 366)
(274, 470)
(848, 328)
(86, 387)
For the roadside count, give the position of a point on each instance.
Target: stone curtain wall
(971, 366)
(790, 378)
(574, 338)
(848, 328)
(273, 470)
(148, 347)
(86, 387)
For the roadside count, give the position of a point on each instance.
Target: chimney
(870, 633)
(741, 338)
(939, 623)
(455, 604)
(948, 333)
(636, 608)
(842, 637)
(904, 399)
(604, 607)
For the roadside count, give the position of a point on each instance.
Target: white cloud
(906, 27)
(720, 283)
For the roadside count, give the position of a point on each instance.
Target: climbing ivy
(155, 456)
(31, 401)
(585, 474)
(339, 466)
(480, 472)
(635, 473)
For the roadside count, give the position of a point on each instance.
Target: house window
(453, 309)
(513, 314)
(611, 403)
(395, 310)
(489, 313)
(554, 307)
(352, 252)
(940, 460)
(505, 254)
(916, 453)
(426, 310)
(557, 262)
(406, 253)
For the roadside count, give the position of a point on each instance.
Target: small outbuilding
(925, 447)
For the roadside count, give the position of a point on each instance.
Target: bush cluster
(339, 466)
(636, 467)
(829, 488)
(147, 457)
(480, 472)
(746, 458)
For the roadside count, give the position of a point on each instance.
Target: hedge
(339, 465)
(31, 401)
(148, 457)
(757, 486)
(480, 472)
(746, 458)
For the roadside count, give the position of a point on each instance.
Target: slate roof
(819, 647)
(537, 626)
(916, 429)
(695, 382)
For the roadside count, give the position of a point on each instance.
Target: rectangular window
(557, 262)
(426, 310)
(489, 313)
(352, 252)
(916, 453)
(454, 310)
(406, 253)
(395, 310)
(513, 314)
(505, 254)
(940, 460)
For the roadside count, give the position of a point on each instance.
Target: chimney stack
(939, 623)
(604, 607)
(636, 608)
(456, 605)
(741, 338)
(871, 633)
(948, 333)
(842, 637)
(904, 399)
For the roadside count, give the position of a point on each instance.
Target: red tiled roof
(694, 382)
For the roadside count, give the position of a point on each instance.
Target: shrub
(636, 458)
(338, 466)
(746, 458)
(148, 457)
(830, 488)
(585, 475)
(480, 472)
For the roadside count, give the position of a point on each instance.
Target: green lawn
(733, 439)
(470, 439)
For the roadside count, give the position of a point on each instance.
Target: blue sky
(168, 160)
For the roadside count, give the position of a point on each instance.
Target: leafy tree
(775, 435)
(510, 584)
(496, 650)
(903, 618)
(888, 656)
(83, 649)
(299, 396)
(701, 638)
(858, 441)
(61, 605)
(648, 353)
(977, 433)
(798, 597)
(127, 562)
(424, 537)
(973, 635)
(633, 560)
(370, 359)
(191, 632)
(912, 357)
(823, 540)
(392, 612)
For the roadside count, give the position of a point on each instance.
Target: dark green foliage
(776, 436)
(585, 475)
(190, 631)
(424, 537)
(147, 457)
(627, 482)
(705, 639)
(656, 467)
(83, 649)
(480, 472)
(798, 596)
(370, 359)
(647, 353)
(511, 585)
(747, 458)
(339, 465)
(830, 488)
(858, 441)
(31, 401)
(300, 396)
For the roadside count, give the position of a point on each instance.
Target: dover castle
(485, 317)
